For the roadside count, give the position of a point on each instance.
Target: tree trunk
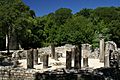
(13, 43)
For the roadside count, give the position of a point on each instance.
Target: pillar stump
(102, 49)
(107, 52)
(41, 58)
(45, 60)
(35, 56)
(77, 63)
(52, 50)
(106, 61)
(73, 56)
(68, 59)
(118, 59)
(85, 54)
(30, 59)
(85, 62)
(56, 56)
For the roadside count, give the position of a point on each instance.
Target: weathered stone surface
(96, 52)
(119, 58)
(85, 62)
(68, 59)
(35, 53)
(112, 45)
(15, 63)
(56, 56)
(41, 58)
(102, 50)
(18, 54)
(30, 59)
(52, 50)
(107, 52)
(110, 50)
(85, 54)
(77, 63)
(73, 55)
(45, 60)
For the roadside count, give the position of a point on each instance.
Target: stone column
(85, 52)
(45, 60)
(107, 52)
(106, 61)
(56, 56)
(73, 56)
(6, 41)
(30, 58)
(68, 59)
(77, 63)
(96, 52)
(52, 50)
(102, 54)
(118, 59)
(41, 58)
(35, 56)
(110, 58)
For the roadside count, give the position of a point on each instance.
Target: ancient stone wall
(16, 74)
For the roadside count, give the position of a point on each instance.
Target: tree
(61, 15)
(84, 12)
(78, 30)
(15, 16)
(115, 31)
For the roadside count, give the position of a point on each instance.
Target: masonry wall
(6, 74)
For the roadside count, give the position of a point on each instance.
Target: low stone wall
(16, 74)
(61, 74)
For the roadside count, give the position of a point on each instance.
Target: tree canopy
(59, 27)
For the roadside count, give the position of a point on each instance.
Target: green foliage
(85, 12)
(79, 30)
(114, 27)
(16, 18)
(59, 27)
(61, 15)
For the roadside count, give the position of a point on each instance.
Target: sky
(44, 7)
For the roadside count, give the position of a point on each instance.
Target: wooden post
(35, 56)
(52, 50)
(77, 63)
(30, 58)
(68, 59)
(45, 60)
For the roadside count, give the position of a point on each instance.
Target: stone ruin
(68, 58)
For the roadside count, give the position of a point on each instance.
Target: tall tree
(78, 30)
(15, 16)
